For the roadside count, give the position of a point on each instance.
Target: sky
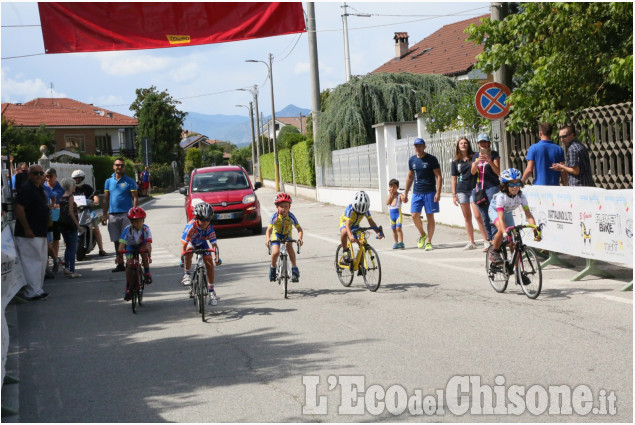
(206, 78)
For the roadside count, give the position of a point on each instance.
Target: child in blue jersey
(504, 203)
(280, 227)
(394, 208)
(350, 220)
(136, 237)
(198, 233)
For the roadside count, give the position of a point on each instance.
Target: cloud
(301, 68)
(19, 89)
(185, 72)
(128, 63)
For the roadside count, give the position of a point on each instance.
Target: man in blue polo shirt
(424, 170)
(542, 156)
(120, 194)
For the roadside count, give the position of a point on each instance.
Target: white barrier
(583, 221)
(12, 282)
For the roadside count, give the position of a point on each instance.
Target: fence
(353, 167)
(609, 141)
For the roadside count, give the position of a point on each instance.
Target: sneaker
(401, 245)
(272, 274)
(346, 257)
(119, 268)
(56, 265)
(495, 257)
(422, 241)
(295, 274)
(486, 245)
(396, 245)
(525, 279)
(187, 280)
(213, 299)
(103, 253)
(67, 272)
(428, 247)
(469, 246)
(147, 278)
(73, 275)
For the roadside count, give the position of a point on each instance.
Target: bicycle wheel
(372, 269)
(496, 273)
(202, 293)
(344, 272)
(133, 293)
(140, 285)
(529, 273)
(285, 276)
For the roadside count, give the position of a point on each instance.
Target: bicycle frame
(361, 251)
(136, 291)
(282, 265)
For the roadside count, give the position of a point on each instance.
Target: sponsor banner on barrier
(583, 221)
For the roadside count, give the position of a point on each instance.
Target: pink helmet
(282, 197)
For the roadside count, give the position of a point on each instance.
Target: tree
(193, 159)
(288, 136)
(24, 143)
(454, 108)
(563, 57)
(160, 120)
(352, 109)
(241, 157)
(213, 154)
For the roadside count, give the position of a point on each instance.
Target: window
(74, 143)
(103, 144)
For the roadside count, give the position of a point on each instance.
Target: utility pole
(315, 83)
(347, 58)
(499, 11)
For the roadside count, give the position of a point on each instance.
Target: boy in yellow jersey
(280, 228)
(352, 217)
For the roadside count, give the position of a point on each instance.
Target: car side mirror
(183, 190)
(257, 186)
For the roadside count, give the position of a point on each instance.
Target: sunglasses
(37, 173)
(120, 165)
(564, 136)
(514, 184)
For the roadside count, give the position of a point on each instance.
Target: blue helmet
(509, 175)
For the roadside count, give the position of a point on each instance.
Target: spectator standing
(120, 194)
(424, 170)
(463, 183)
(145, 181)
(542, 156)
(487, 165)
(20, 177)
(69, 231)
(51, 184)
(578, 164)
(32, 214)
(89, 193)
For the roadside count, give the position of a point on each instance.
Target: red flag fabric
(92, 27)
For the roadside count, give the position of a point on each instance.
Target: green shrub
(266, 166)
(284, 159)
(103, 168)
(303, 163)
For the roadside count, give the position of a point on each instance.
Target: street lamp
(253, 140)
(273, 118)
(254, 93)
(347, 57)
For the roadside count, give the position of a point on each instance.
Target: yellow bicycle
(365, 263)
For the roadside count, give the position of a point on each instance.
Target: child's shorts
(493, 216)
(201, 245)
(133, 248)
(395, 218)
(277, 237)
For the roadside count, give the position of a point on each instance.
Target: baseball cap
(482, 138)
(419, 141)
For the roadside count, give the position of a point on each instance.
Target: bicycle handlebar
(363, 229)
(200, 251)
(285, 241)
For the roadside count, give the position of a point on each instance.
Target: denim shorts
(465, 197)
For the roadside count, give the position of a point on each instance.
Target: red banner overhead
(92, 27)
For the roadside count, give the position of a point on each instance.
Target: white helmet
(361, 202)
(79, 174)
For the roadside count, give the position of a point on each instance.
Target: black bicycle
(199, 290)
(282, 267)
(522, 262)
(137, 285)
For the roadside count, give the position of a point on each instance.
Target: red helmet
(136, 212)
(282, 197)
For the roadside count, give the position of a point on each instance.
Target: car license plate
(226, 216)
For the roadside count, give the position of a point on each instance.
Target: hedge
(302, 161)
(266, 166)
(103, 168)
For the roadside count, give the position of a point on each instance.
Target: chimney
(401, 44)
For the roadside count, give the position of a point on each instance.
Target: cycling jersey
(133, 238)
(508, 204)
(197, 236)
(353, 216)
(283, 226)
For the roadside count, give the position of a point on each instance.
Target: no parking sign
(491, 100)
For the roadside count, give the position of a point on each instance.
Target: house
(298, 122)
(446, 52)
(78, 127)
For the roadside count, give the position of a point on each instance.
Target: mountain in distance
(235, 129)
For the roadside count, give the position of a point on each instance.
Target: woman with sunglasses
(504, 203)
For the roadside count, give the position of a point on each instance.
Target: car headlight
(249, 199)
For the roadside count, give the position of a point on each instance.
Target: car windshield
(219, 181)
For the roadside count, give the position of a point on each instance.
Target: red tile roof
(445, 52)
(63, 112)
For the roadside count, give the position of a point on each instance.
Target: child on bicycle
(136, 237)
(394, 208)
(280, 227)
(196, 235)
(350, 220)
(504, 203)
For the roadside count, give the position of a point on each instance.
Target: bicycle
(199, 291)
(138, 285)
(524, 264)
(282, 266)
(366, 263)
